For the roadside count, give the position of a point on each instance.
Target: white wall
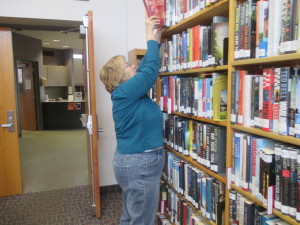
(118, 28)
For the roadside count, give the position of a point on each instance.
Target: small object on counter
(70, 98)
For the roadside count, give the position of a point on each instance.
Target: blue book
(209, 197)
(184, 50)
(237, 137)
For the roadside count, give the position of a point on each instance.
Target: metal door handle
(7, 125)
(10, 120)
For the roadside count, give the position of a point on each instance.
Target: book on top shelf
(156, 8)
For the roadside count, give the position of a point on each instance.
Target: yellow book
(219, 97)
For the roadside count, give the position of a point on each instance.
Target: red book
(268, 89)
(240, 113)
(156, 8)
(197, 45)
(171, 95)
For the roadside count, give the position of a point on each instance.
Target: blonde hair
(112, 73)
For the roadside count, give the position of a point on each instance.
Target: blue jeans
(139, 177)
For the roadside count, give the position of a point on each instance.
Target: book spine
(278, 178)
(276, 97)
(252, 29)
(233, 208)
(241, 30)
(286, 29)
(237, 28)
(283, 105)
(247, 107)
(292, 108)
(293, 183)
(268, 83)
(298, 186)
(233, 116)
(286, 174)
(240, 116)
(263, 31)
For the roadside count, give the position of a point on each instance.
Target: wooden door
(92, 128)
(10, 169)
(27, 95)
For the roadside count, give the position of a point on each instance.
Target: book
(298, 186)
(284, 101)
(286, 175)
(268, 89)
(276, 98)
(261, 29)
(278, 180)
(286, 26)
(219, 42)
(219, 96)
(156, 8)
(293, 183)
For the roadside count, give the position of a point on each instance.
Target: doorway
(50, 159)
(89, 118)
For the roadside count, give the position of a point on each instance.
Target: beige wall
(118, 28)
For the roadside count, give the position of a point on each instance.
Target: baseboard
(110, 189)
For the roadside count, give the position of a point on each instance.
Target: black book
(293, 183)
(220, 149)
(278, 178)
(249, 212)
(233, 206)
(286, 175)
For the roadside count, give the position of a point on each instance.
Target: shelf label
(270, 200)
(229, 177)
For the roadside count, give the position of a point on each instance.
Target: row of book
(267, 99)
(245, 211)
(178, 10)
(204, 192)
(202, 97)
(266, 28)
(205, 143)
(266, 167)
(179, 212)
(199, 46)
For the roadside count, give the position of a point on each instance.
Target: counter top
(63, 101)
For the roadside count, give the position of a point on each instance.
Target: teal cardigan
(138, 120)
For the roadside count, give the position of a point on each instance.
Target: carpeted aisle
(69, 206)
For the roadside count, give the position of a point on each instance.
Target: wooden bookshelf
(196, 71)
(271, 135)
(288, 59)
(202, 17)
(135, 54)
(220, 123)
(255, 64)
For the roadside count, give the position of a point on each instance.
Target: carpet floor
(70, 206)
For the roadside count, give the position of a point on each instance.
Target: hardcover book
(156, 8)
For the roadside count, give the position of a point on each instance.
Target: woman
(139, 157)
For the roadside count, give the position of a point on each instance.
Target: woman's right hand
(150, 23)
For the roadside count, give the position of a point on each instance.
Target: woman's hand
(150, 23)
(157, 34)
